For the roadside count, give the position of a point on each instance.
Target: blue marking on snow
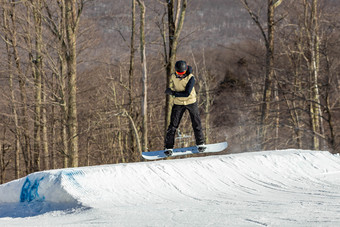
(70, 176)
(29, 190)
(72, 173)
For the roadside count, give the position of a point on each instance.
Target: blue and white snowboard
(154, 155)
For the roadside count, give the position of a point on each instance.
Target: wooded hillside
(83, 81)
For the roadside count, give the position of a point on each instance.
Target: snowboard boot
(168, 152)
(201, 148)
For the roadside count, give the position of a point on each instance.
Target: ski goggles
(181, 73)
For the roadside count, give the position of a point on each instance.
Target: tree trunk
(120, 139)
(53, 131)
(46, 160)
(63, 105)
(22, 87)
(12, 100)
(295, 103)
(59, 32)
(328, 107)
(174, 32)
(268, 83)
(3, 162)
(40, 88)
(72, 121)
(2, 173)
(267, 92)
(144, 78)
(131, 70)
(139, 146)
(314, 66)
(37, 75)
(277, 115)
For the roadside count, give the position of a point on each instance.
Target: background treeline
(82, 82)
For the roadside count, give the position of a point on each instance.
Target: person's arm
(188, 89)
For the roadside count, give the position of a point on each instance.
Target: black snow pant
(176, 116)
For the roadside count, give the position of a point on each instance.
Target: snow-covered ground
(271, 188)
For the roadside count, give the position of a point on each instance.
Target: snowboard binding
(168, 152)
(201, 148)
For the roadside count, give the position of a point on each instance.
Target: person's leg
(196, 123)
(176, 116)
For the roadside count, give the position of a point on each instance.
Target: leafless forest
(83, 81)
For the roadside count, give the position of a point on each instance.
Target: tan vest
(179, 85)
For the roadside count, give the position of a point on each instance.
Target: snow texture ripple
(271, 188)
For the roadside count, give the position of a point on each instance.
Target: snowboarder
(182, 89)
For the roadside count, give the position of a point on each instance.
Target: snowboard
(215, 147)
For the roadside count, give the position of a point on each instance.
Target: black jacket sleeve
(188, 89)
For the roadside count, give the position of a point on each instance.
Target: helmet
(181, 67)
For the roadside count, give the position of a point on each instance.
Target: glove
(168, 91)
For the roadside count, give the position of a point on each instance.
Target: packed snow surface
(271, 188)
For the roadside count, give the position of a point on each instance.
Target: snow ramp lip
(50, 186)
(40, 193)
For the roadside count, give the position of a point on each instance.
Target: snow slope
(272, 188)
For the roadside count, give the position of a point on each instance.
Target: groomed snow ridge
(269, 188)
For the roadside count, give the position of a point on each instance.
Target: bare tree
(269, 44)
(12, 97)
(314, 63)
(331, 92)
(144, 77)
(59, 69)
(4, 160)
(175, 25)
(65, 31)
(204, 82)
(72, 17)
(37, 75)
(132, 65)
(26, 149)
